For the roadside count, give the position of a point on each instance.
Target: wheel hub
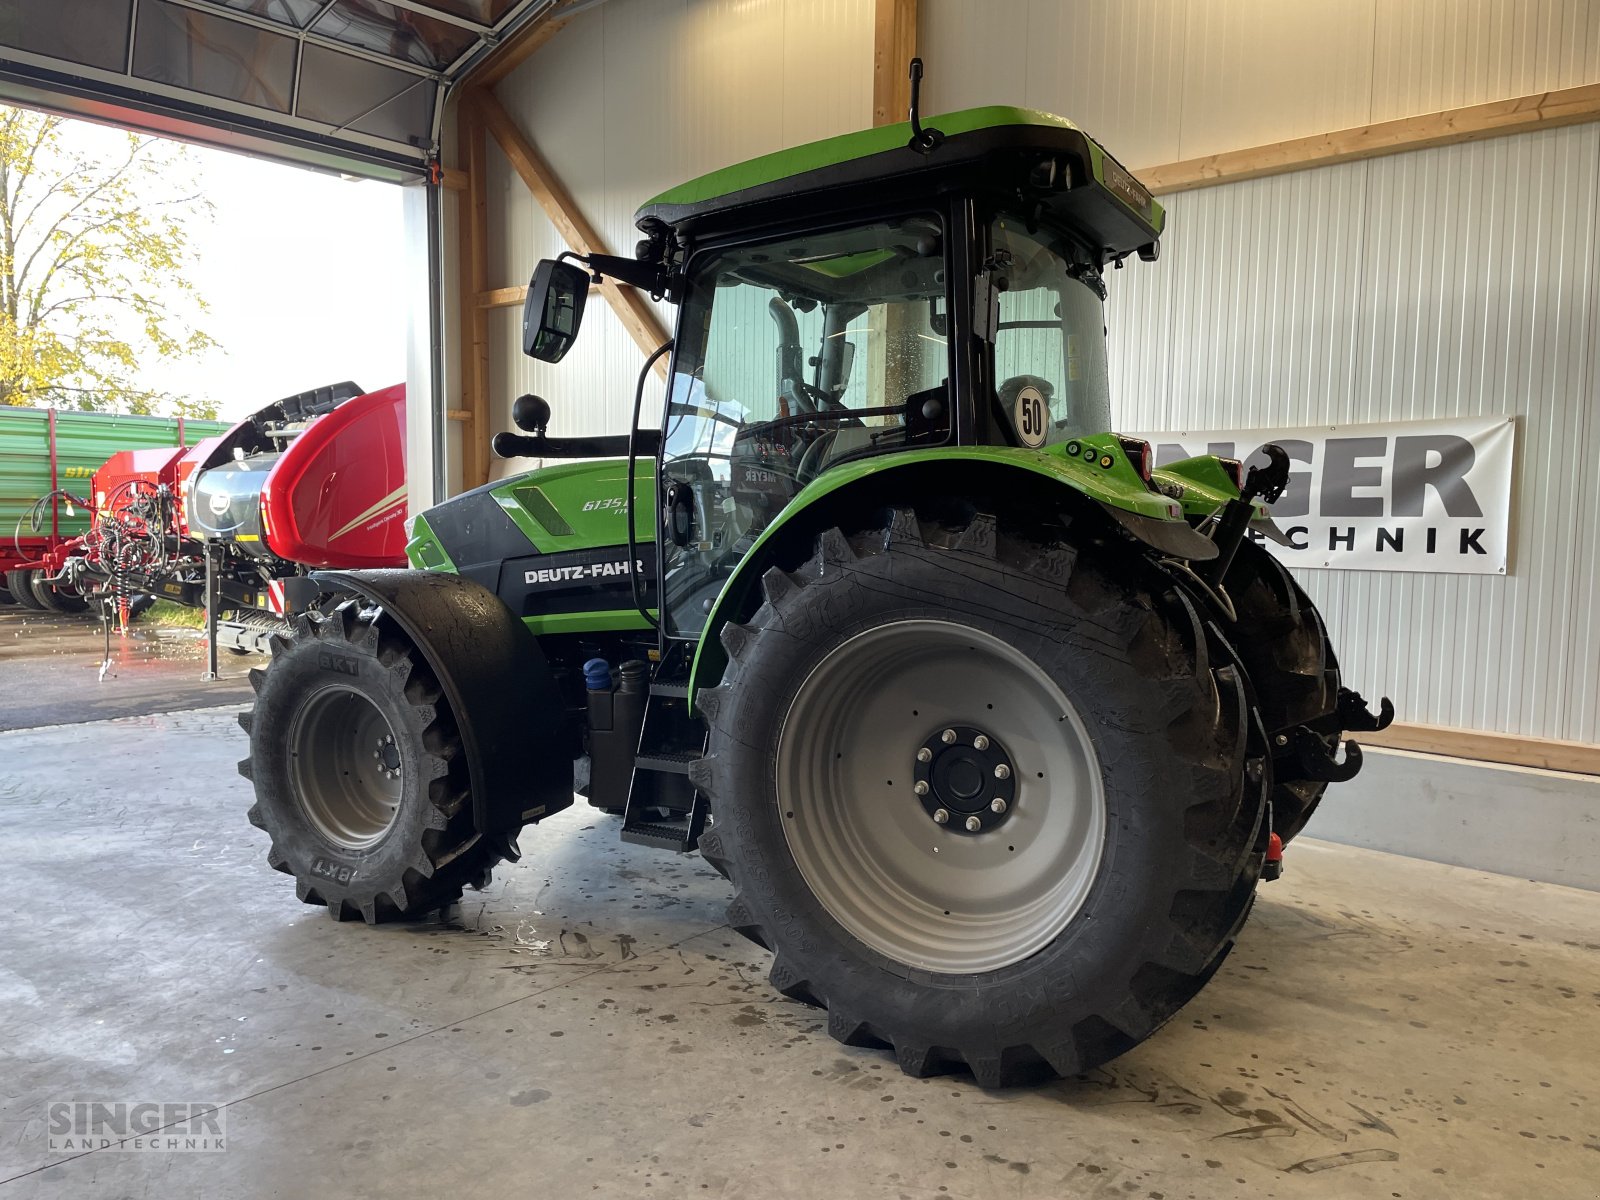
(347, 767)
(931, 894)
(388, 756)
(964, 779)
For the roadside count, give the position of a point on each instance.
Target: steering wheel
(816, 454)
(815, 399)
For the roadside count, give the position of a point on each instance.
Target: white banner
(1393, 496)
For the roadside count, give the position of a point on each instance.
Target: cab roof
(1113, 204)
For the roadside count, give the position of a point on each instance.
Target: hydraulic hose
(633, 448)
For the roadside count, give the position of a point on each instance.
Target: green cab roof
(759, 175)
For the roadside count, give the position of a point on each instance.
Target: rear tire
(360, 778)
(20, 585)
(1282, 643)
(1165, 741)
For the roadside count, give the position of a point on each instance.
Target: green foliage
(168, 615)
(93, 249)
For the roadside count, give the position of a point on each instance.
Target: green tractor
(992, 727)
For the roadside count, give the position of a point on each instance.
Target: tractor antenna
(923, 141)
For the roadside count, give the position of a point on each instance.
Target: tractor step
(664, 808)
(663, 835)
(673, 763)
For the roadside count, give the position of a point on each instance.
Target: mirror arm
(646, 276)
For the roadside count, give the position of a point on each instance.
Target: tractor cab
(897, 289)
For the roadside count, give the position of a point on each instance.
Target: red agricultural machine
(234, 523)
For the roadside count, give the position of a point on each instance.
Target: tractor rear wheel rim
(346, 767)
(912, 888)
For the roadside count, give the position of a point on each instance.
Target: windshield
(1050, 342)
(794, 355)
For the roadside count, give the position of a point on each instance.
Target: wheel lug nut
(940, 816)
(980, 742)
(920, 787)
(997, 805)
(973, 824)
(924, 755)
(1001, 771)
(948, 736)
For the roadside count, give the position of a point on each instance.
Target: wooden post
(472, 216)
(894, 45)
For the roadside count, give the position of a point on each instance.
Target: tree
(94, 241)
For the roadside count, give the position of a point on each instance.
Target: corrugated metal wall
(1454, 281)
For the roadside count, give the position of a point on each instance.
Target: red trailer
(47, 458)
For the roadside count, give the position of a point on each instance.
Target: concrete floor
(50, 670)
(588, 1026)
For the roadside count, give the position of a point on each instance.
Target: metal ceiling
(353, 85)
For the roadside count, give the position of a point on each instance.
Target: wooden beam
(894, 45)
(518, 48)
(1548, 753)
(506, 297)
(453, 179)
(457, 414)
(631, 307)
(1521, 114)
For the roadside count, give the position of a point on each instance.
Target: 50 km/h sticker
(1030, 416)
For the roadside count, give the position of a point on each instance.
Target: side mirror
(554, 309)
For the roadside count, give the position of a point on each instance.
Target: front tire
(359, 774)
(1056, 932)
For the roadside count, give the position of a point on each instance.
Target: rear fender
(505, 697)
(1040, 484)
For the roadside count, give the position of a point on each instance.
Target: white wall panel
(1456, 281)
(1163, 80)
(629, 99)
(1434, 54)
(1114, 67)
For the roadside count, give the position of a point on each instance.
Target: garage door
(353, 85)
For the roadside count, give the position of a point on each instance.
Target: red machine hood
(337, 495)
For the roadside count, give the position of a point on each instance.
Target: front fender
(506, 701)
(1097, 472)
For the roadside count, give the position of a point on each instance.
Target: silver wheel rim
(918, 892)
(346, 767)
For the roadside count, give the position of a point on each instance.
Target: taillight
(1235, 470)
(1138, 452)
